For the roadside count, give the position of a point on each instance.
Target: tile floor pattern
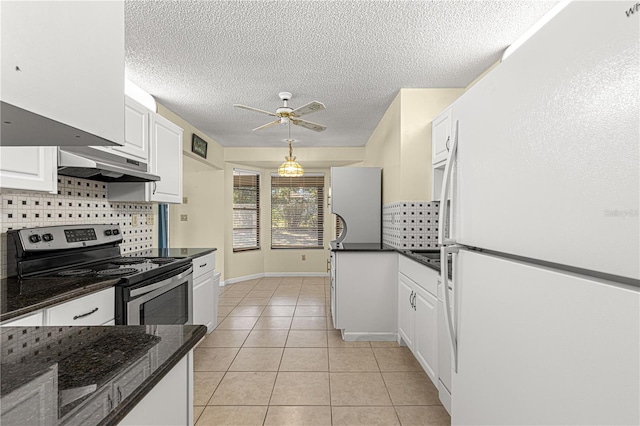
(275, 359)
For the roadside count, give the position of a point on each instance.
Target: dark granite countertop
(191, 253)
(89, 360)
(360, 247)
(22, 296)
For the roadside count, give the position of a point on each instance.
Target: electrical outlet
(149, 219)
(304, 257)
(185, 200)
(134, 220)
(184, 218)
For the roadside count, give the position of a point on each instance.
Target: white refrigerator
(543, 181)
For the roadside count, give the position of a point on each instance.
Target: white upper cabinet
(136, 132)
(165, 160)
(65, 61)
(441, 137)
(31, 168)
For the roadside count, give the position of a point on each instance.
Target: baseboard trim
(296, 274)
(355, 336)
(273, 274)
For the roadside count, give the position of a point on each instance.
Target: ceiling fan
(287, 115)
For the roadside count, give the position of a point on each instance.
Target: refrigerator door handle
(444, 271)
(444, 208)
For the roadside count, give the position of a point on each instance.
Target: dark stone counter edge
(56, 300)
(141, 391)
(358, 247)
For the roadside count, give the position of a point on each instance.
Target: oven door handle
(168, 282)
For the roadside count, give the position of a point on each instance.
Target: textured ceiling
(199, 58)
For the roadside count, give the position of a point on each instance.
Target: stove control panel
(68, 236)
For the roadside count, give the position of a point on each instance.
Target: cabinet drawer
(204, 265)
(424, 276)
(30, 320)
(94, 309)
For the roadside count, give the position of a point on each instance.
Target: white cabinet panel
(65, 61)
(33, 403)
(405, 310)
(165, 160)
(366, 294)
(32, 168)
(94, 309)
(418, 313)
(32, 320)
(440, 137)
(136, 133)
(169, 402)
(166, 152)
(425, 343)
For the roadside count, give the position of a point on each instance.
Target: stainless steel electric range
(149, 290)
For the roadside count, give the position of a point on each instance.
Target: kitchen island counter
(88, 367)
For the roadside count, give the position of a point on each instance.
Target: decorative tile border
(411, 224)
(78, 201)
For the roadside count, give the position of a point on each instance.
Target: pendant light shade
(290, 168)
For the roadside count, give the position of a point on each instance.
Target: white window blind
(246, 210)
(297, 213)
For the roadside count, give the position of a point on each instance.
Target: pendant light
(290, 168)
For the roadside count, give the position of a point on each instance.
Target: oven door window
(169, 307)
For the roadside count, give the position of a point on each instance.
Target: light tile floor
(275, 359)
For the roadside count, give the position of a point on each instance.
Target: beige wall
(383, 150)
(401, 143)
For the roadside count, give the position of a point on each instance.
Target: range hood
(95, 164)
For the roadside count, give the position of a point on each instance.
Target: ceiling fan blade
(264, 126)
(307, 109)
(309, 125)
(255, 109)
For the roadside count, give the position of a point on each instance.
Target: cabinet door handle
(86, 315)
(203, 265)
(119, 395)
(414, 301)
(446, 144)
(411, 299)
(155, 185)
(110, 401)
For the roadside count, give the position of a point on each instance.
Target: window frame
(248, 174)
(318, 182)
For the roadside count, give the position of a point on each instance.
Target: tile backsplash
(411, 224)
(78, 201)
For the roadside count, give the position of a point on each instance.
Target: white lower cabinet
(33, 403)
(363, 294)
(170, 402)
(418, 313)
(206, 287)
(94, 309)
(101, 404)
(31, 168)
(35, 319)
